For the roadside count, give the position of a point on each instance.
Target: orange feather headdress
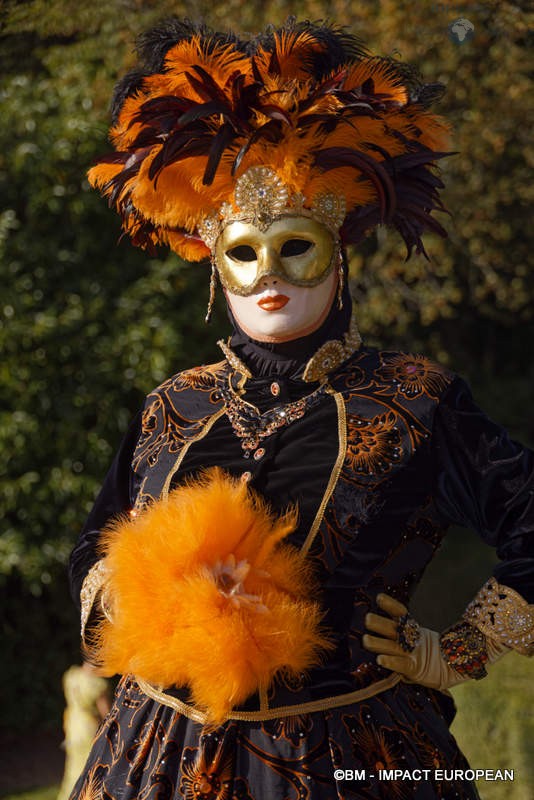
(307, 101)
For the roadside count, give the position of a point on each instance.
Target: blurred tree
(88, 327)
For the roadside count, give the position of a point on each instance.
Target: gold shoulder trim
(503, 614)
(272, 713)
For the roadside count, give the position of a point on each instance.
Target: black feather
(181, 145)
(271, 132)
(428, 94)
(117, 183)
(333, 157)
(338, 45)
(128, 85)
(225, 136)
(153, 45)
(205, 110)
(161, 109)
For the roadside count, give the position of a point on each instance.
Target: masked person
(249, 561)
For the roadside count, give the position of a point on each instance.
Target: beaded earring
(341, 278)
(213, 287)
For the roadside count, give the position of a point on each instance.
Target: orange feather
(207, 593)
(217, 99)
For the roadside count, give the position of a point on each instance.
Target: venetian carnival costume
(248, 563)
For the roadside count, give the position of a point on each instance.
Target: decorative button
(259, 453)
(246, 476)
(275, 389)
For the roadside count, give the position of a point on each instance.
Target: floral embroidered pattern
(202, 378)
(207, 776)
(413, 375)
(374, 445)
(379, 749)
(294, 729)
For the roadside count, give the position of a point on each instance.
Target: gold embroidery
(202, 378)
(336, 471)
(200, 435)
(282, 711)
(93, 583)
(414, 375)
(501, 613)
(332, 354)
(374, 444)
(234, 361)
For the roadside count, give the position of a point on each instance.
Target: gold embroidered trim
(93, 583)
(264, 702)
(200, 435)
(273, 713)
(331, 354)
(234, 361)
(336, 471)
(501, 613)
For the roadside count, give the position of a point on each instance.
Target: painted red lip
(273, 303)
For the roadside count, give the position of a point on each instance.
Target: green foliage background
(87, 326)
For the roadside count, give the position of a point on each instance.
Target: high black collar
(289, 359)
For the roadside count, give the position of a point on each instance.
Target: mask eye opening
(295, 247)
(243, 252)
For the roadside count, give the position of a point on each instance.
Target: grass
(494, 726)
(47, 793)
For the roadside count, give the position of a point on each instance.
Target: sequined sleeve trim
(502, 614)
(93, 584)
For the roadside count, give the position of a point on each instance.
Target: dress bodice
(378, 463)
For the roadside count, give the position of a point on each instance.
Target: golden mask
(297, 249)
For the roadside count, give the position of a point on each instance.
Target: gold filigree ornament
(332, 354)
(260, 197)
(501, 613)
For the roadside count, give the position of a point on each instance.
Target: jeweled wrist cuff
(502, 614)
(94, 582)
(464, 649)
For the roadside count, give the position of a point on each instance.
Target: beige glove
(424, 663)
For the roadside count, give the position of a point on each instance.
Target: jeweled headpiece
(296, 121)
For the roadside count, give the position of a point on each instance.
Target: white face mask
(278, 311)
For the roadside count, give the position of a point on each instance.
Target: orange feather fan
(206, 593)
(307, 101)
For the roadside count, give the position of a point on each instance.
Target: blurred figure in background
(87, 703)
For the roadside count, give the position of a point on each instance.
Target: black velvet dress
(380, 464)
